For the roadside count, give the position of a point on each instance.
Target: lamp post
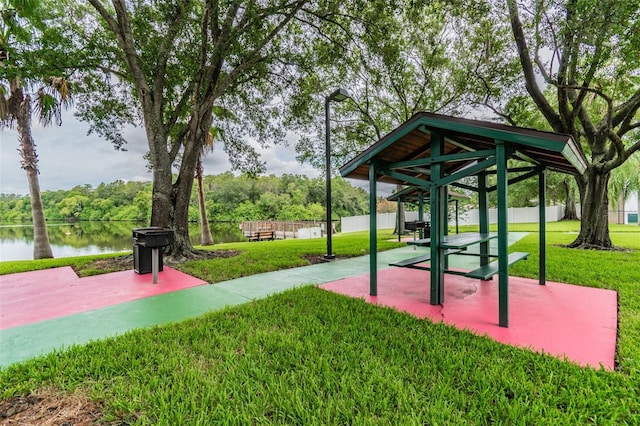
(338, 95)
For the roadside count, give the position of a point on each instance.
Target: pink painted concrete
(579, 323)
(41, 295)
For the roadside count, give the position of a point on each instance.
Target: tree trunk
(570, 211)
(199, 126)
(41, 244)
(594, 225)
(161, 204)
(205, 232)
(400, 212)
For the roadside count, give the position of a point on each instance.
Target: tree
(401, 59)
(521, 111)
(591, 63)
(181, 58)
(205, 231)
(414, 57)
(26, 86)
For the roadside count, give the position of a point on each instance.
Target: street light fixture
(339, 95)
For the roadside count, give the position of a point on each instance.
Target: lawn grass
(308, 356)
(80, 262)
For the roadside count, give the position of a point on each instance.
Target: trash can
(145, 240)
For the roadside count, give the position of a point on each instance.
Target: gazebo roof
(407, 149)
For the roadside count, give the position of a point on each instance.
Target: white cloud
(68, 157)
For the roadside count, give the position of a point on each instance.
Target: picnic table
(457, 244)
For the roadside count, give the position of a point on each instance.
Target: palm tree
(205, 232)
(17, 104)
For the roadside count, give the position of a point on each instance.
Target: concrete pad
(50, 293)
(566, 321)
(31, 340)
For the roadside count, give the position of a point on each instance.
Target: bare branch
(532, 87)
(500, 113)
(254, 56)
(625, 112)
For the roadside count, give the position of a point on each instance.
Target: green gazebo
(433, 152)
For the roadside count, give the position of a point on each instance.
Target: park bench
(262, 235)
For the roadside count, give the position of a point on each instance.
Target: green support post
(444, 207)
(373, 233)
(457, 220)
(542, 218)
(399, 220)
(437, 264)
(421, 212)
(483, 210)
(503, 235)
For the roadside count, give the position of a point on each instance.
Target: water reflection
(84, 238)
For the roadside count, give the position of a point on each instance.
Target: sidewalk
(26, 341)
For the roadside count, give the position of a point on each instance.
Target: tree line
(229, 197)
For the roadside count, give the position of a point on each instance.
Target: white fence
(471, 217)
(514, 215)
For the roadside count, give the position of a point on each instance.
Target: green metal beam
(542, 219)
(515, 170)
(444, 214)
(520, 178)
(406, 178)
(467, 171)
(421, 211)
(464, 186)
(437, 229)
(373, 230)
(399, 219)
(503, 235)
(483, 212)
(470, 155)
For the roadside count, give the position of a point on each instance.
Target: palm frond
(47, 108)
(624, 179)
(4, 106)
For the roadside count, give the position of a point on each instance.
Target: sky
(68, 157)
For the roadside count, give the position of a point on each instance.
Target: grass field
(308, 356)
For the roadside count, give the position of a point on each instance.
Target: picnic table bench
(414, 262)
(456, 244)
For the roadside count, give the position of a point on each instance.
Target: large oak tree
(586, 52)
(181, 59)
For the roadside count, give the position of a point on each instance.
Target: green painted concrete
(32, 340)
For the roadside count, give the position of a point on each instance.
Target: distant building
(627, 212)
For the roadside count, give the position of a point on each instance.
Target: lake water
(85, 238)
